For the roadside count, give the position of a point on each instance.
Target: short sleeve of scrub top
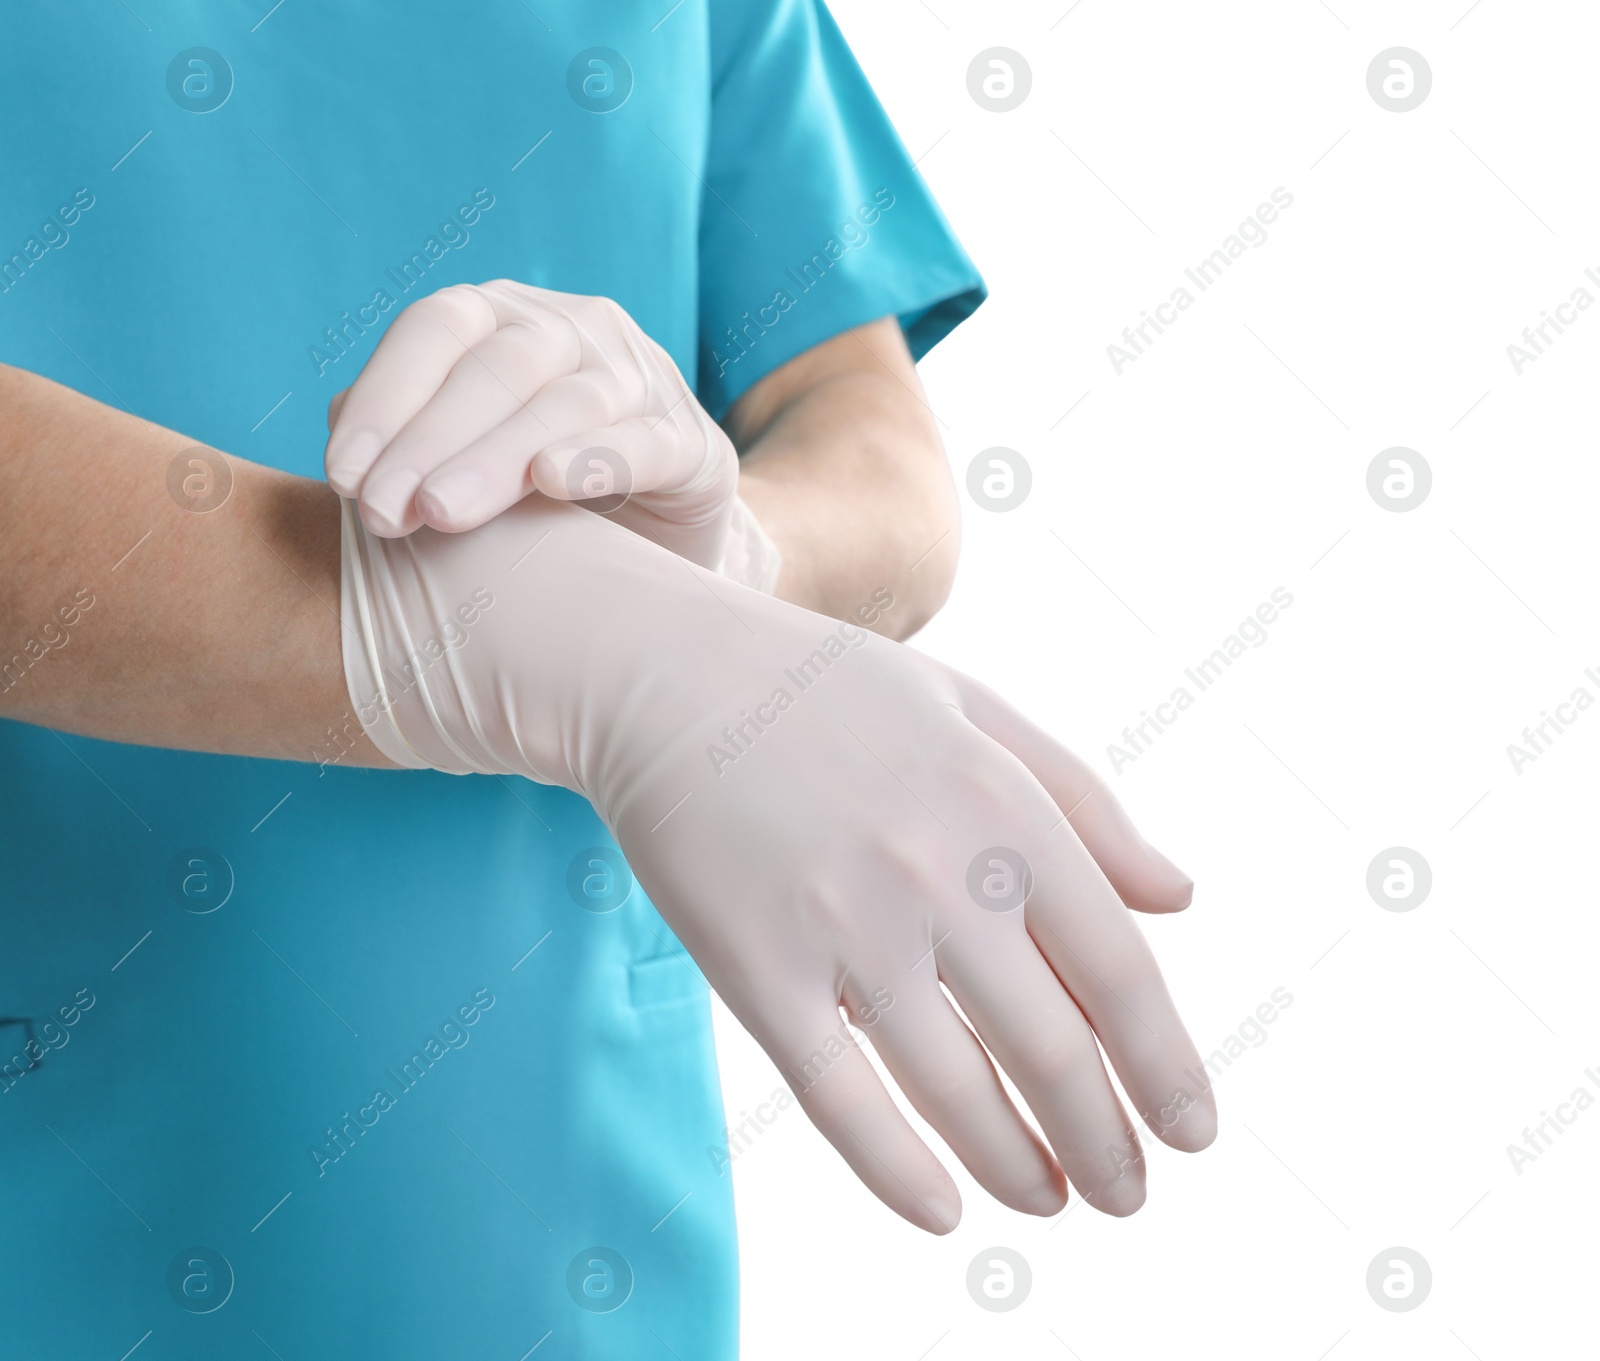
(815, 219)
(302, 1059)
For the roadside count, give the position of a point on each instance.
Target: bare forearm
(846, 472)
(128, 616)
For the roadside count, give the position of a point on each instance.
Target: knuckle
(529, 330)
(1128, 978)
(909, 864)
(597, 393)
(902, 854)
(957, 1086)
(617, 312)
(528, 299)
(520, 356)
(996, 778)
(455, 306)
(1058, 1062)
(992, 785)
(825, 907)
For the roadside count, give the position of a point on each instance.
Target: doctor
(366, 1062)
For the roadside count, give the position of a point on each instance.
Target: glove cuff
(750, 557)
(389, 677)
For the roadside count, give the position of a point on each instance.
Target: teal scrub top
(321, 1062)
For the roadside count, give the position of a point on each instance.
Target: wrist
(540, 644)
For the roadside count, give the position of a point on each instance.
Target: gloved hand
(824, 818)
(478, 395)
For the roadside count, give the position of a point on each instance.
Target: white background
(1229, 460)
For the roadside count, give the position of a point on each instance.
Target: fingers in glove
(1143, 877)
(1042, 1041)
(840, 1091)
(495, 470)
(641, 454)
(945, 1073)
(1099, 953)
(410, 364)
(489, 385)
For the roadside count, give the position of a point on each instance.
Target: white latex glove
(478, 395)
(833, 846)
